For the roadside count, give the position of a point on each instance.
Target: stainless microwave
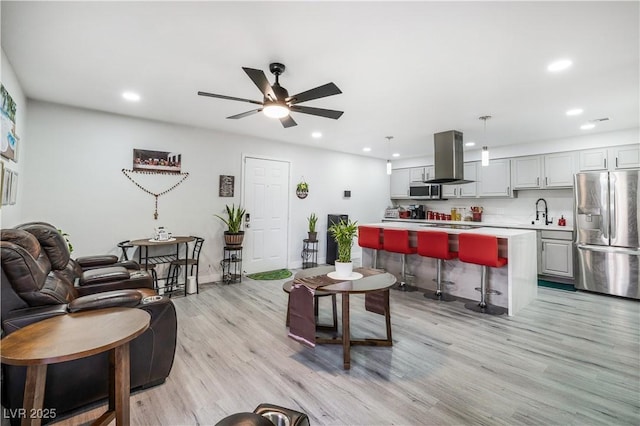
(425, 191)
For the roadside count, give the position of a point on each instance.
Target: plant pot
(313, 236)
(344, 269)
(233, 239)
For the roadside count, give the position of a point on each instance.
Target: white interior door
(266, 200)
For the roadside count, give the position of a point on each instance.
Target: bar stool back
(435, 244)
(397, 241)
(481, 250)
(370, 237)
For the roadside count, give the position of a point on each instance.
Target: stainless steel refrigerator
(607, 237)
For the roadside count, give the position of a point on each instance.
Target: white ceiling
(405, 69)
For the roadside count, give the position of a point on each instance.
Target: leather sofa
(38, 283)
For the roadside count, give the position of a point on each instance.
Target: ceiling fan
(277, 103)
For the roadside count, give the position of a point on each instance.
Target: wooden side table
(73, 336)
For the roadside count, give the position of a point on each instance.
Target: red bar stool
(435, 244)
(370, 237)
(397, 241)
(481, 250)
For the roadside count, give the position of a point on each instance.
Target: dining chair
(192, 262)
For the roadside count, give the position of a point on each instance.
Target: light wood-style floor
(567, 359)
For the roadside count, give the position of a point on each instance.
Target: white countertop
(419, 226)
(488, 224)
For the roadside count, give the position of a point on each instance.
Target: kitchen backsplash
(521, 210)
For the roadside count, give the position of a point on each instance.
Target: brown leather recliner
(35, 286)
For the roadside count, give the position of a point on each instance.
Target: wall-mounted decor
(302, 189)
(226, 186)
(128, 174)
(9, 188)
(156, 161)
(8, 138)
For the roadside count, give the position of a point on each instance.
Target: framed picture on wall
(14, 188)
(156, 161)
(226, 186)
(8, 138)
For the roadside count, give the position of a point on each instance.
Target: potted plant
(233, 236)
(344, 232)
(312, 219)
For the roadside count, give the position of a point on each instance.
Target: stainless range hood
(449, 163)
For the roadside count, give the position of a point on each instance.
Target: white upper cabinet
(400, 183)
(526, 172)
(559, 169)
(494, 180)
(421, 174)
(616, 158)
(465, 189)
(625, 157)
(593, 160)
(543, 171)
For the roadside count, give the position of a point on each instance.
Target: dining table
(145, 259)
(369, 283)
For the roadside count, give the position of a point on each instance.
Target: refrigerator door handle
(612, 208)
(610, 249)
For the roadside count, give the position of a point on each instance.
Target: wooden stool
(286, 287)
(435, 244)
(481, 250)
(370, 237)
(397, 241)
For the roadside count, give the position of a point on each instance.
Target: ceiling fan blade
(288, 121)
(328, 89)
(231, 98)
(328, 113)
(245, 114)
(260, 80)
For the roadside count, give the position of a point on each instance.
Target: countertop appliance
(607, 238)
(425, 191)
(332, 246)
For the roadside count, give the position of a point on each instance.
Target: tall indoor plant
(312, 219)
(233, 236)
(344, 232)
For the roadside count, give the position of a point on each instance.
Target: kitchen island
(517, 281)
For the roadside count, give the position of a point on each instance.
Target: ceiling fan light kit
(277, 103)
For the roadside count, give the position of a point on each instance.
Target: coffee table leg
(121, 383)
(34, 394)
(346, 334)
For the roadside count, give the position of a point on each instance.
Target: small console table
(232, 265)
(73, 336)
(309, 253)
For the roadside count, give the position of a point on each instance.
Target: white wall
(12, 213)
(73, 180)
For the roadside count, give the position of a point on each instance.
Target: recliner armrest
(87, 262)
(21, 318)
(109, 299)
(103, 275)
(134, 280)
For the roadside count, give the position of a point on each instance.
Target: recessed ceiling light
(395, 154)
(560, 65)
(366, 149)
(587, 126)
(316, 135)
(575, 111)
(131, 96)
(470, 144)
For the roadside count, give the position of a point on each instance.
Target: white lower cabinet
(556, 256)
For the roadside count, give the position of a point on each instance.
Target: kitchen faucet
(545, 212)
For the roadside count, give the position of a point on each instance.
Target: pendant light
(485, 149)
(389, 161)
